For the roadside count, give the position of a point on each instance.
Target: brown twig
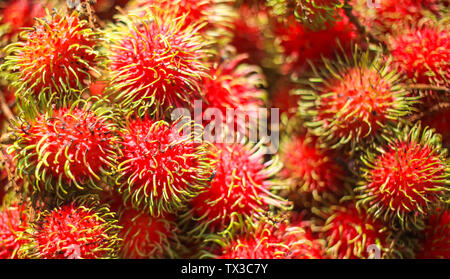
(427, 87)
(348, 10)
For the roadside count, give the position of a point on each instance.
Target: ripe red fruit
(299, 44)
(155, 62)
(405, 177)
(272, 241)
(439, 119)
(422, 54)
(351, 99)
(435, 241)
(66, 149)
(310, 168)
(237, 86)
(17, 14)
(217, 13)
(147, 237)
(13, 223)
(161, 168)
(74, 231)
(350, 232)
(56, 55)
(240, 188)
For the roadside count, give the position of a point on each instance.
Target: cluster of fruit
(95, 165)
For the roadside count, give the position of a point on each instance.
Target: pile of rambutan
(225, 129)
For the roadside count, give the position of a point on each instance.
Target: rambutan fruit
(350, 232)
(217, 13)
(282, 97)
(56, 57)
(17, 14)
(251, 34)
(438, 118)
(405, 177)
(435, 240)
(267, 240)
(78, 230)
(13, 223)
(155, 62)
(66, 149)
(147, 237)
(298, 44)
(310, 169)
(161, 167)
(235, 86)
(241, 188)
(352, 99)
(423, 55)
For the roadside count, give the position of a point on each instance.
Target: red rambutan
(435, 242)
(404, 178)
(350, 232)
(79, 230)
(423, 55)
(299, 44)
(241, 188)
(237, 86)
(351, 99)
(56, 56)
(161, 167)
(310, 168)
(13, 223)
(265, 240)
(155, 61)
(147, 237)
(68, 148)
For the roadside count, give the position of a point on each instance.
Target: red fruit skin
(394, 182)
(363, 91)
(312, 169)
(422, 54)
(435, 242)
(51, 49)
(240, 187)
(20, 13)
(283, 98)
(160, 167)
(145, 236)
(13, 223)
(440, 121)
(90, 138)
(278, 241)
(299, 44)
(349, 233)
(71, 232)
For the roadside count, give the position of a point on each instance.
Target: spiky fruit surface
(240, 188)
(155, 61)
(317, 13)
(13, 223)
(58, 53)
(147, 237)
(217, 13)
(436, 237)
(352, 99)
(161, 167)
(17, 14)
(311, 168)
(66, 149)
(349, 233)
(391, 14)
(74, 231)
(404, 177)
(272, 241)
(423, 55)
(235, 86)
(299, 44)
